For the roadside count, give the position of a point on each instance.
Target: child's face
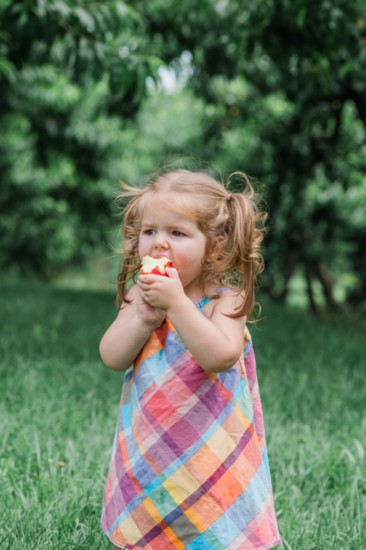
(168, 233)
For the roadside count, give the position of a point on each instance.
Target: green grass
(59, 406)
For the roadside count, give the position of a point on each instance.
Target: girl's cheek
(143, 244)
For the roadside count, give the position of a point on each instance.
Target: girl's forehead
(165, 215)
(172, 204)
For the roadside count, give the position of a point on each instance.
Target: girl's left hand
(158, 291)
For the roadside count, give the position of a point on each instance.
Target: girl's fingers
(172, 272)
(144, 284)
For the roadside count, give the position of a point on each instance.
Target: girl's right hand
(148, 314)
(129, 332)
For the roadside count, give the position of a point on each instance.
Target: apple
(155, 265)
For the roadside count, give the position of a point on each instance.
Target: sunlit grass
(59, 406)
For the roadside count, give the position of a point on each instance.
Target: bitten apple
(155, 265)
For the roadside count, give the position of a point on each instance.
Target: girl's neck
(198, 293)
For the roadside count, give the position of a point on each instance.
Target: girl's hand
(161, 292)
(147, 313)
(130, 331)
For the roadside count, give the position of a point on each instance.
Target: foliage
(272, 87)
(164, 131)
(286, 82)
(72, 74)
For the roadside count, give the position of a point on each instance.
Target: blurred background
(93, 92)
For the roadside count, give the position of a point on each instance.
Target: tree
(280, 87)
(72, 74)
(287, 84)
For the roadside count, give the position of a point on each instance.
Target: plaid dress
(189, 467)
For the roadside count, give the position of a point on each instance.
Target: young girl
(189, 468)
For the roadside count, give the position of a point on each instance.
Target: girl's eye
(148, 231)
(177, 233)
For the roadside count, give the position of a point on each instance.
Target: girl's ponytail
(246, 232)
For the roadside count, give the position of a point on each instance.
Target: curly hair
(231, 221)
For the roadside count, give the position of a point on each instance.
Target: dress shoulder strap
(201, 303)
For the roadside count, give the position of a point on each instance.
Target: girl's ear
(214, 251)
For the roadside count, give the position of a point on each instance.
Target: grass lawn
(59, 405)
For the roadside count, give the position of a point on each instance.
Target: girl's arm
(131, 329)
(216, 342)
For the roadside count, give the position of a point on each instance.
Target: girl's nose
(161, 242)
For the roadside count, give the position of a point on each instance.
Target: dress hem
(273, 544)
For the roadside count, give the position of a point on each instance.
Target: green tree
(72, 74)
(277, 88)
(286, 81)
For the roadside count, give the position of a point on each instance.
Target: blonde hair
(231, 222)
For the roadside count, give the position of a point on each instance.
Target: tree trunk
(287, 274)
(323, 276)
(309, 289)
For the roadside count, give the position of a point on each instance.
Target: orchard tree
(277, 88)
(71, 75)
(286, 82)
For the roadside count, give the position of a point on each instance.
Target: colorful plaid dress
(189, 466)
